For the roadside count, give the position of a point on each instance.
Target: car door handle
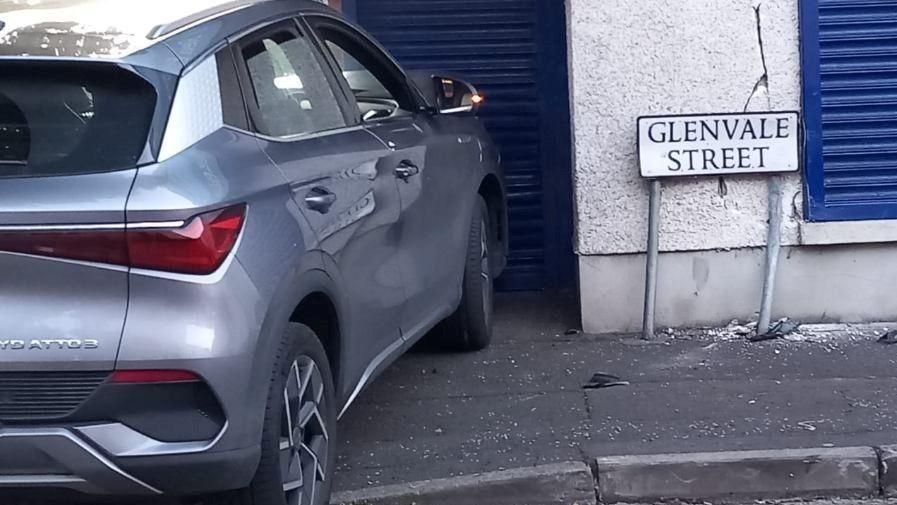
(320, 199)
(406, 170)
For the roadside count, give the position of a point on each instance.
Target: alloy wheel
(303, 436)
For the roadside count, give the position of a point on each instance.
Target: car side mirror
(448, 95)
(454, 96)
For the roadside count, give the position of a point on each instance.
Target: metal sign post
(773, 247)
(651, 263)
(716, 145)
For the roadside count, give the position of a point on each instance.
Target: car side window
(290, 94)
(380, 89)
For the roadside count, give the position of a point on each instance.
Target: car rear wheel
(470, 327)
(298, 441)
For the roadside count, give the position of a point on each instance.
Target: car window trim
(233, 99)
(299, 136)
(287, 24)
(316, 20)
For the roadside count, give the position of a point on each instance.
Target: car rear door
(333, 168)
(70, 137)
(433, 164)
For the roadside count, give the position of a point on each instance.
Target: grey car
(219, 221)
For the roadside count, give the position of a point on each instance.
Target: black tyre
(470, 327)
(299, 437)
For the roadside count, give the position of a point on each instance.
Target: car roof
(113, 29)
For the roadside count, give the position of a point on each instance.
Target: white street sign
(718, 144)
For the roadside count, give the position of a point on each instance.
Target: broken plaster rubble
(810, 333)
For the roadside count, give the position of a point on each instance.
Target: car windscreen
(60, 118)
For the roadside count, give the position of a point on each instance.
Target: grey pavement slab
(558, 484)
(826, 501)
(845, 472)
(735, 415)
(520, 403)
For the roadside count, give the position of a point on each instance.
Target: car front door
(430, 162)
(331, 164)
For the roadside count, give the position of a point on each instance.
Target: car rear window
(64, 119)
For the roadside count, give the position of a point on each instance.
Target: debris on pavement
(762, 337)
(830, 335)
(781, 329)
(808, 425)
(889, 338)
(736, 328)
(604, 380)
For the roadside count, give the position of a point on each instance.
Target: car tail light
(152, 376)
(199, 246)
(102, 246)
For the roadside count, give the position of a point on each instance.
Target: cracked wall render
(639, 57)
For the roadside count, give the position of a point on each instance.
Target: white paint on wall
(642, 57)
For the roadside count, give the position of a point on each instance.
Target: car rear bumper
(57, 457)
(112, 459)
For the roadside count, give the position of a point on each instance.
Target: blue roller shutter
(502, 47)
(850, 106)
